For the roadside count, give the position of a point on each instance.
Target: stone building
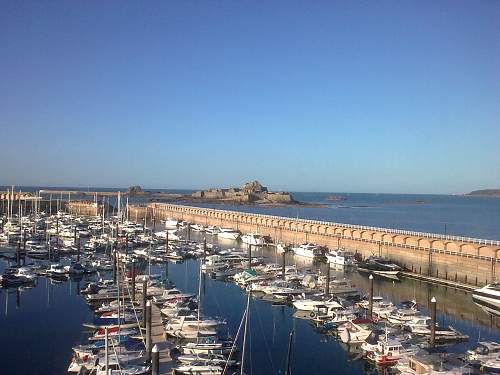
(249, 192)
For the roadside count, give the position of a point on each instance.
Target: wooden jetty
(158, 338)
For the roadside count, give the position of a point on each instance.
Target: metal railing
(480, 241)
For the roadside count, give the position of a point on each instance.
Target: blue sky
(358, 96)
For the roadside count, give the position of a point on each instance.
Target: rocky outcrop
(250, 192)
(136, 190)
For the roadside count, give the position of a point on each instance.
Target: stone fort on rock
(249, 192)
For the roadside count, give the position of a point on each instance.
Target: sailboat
(193, 327)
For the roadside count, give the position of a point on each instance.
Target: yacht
(340, 257)
(488, 296)
(402, 316)
(25, 273)
(74, 268)
(389, 351)
(56, 270)
(198, 227)
(228, 233)
(212, 230)
(485, 351)
(355, 332)
(171, 223)
(380, 266)
(308, 250)
(173, 235)
(343, 287)
(310, 304)
(253, 239)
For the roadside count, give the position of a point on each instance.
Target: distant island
(485, 193)
(250, 193)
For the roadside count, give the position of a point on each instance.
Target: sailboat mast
(106, 350)
(245, 333)
(8, 205)
(12, 203)
(199, 298)
(119, 206)
(289, 355)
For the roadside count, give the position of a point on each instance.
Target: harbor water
(39, 325)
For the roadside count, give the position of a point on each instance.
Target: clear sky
(356, 96)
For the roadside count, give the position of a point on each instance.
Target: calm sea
(40, 325)
(446, 214)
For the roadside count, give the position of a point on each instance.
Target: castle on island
(250, 192)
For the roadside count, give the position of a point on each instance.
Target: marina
(292, 290)
(250, 188)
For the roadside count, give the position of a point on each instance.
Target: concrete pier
(465, 260)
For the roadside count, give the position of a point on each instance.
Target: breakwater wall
(462, 259)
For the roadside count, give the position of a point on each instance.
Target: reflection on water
(40, 325)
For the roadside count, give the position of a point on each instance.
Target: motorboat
(308, 250)
(9, 280)
(171, 223)
(56, 270)
(340, 287)
(75, 269)
(228, 233)
(170, 295)
(340, 257)
(172, 235)
(253, 239)
(310, 304)
(402, 316)
(389, 351)
(355, 331)
(37, 251)
(483, 352)
(379, 266)
(212, 230)
(197, 227)
(491, 366)
(488, 296)
(25, 273)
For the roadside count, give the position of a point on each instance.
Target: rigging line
(216, 300)
(135, 313)
(234, 342)
(117, 359)
(265, 341)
